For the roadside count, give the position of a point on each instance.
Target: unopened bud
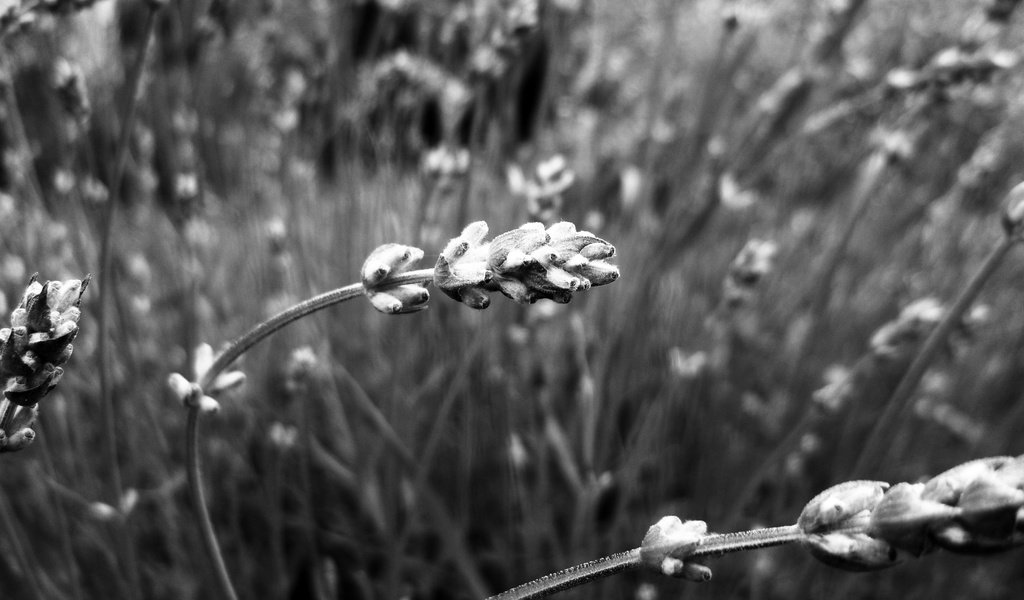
(208, 405)
(841, 505)
(903, 518)
(669, 541)
(227, 381)
(19, 440)
(990, 506)
(401, 299)
(102, 511)
(852, 551)
(947, 486)
(1013, 212)
(386, 261)
(183, 389)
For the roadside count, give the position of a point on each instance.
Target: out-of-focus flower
(543, 191)
(69, 82)
(282, 436)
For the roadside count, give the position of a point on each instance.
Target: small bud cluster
(191, 394)
(669, 542)
(976, 507)
(32, 351)
(543, 192)
(445, 162)
(378, 273)
(526, 264)
(516, 22)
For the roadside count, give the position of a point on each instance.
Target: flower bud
(461, 268)
(669, 541)
(19, 440)
(843, 505)
(386, 261)
(852, 551)
(1013, 212)
(903, 518)
(990, 507)
(946, 487)
(183, 389)
(102, 511)
(202, 360)
(208, 405)
(227, 380)
(400, 300)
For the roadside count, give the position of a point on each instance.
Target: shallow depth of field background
(455, 453)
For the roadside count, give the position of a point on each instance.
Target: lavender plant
(526, 264)
(32, 352)
(974, 508)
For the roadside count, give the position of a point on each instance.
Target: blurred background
(797, 190)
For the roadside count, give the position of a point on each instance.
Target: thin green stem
(899, 403)
(104, 280)
(198, 498)
(223, 360)
(715, 544)
(257, 334)
(574, 576)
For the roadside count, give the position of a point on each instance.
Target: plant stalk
(899, 403)
(715, 544)
(223, 360)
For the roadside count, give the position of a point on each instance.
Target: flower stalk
(976, 507)
(525, 264)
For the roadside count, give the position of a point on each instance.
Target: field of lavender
(795, 262)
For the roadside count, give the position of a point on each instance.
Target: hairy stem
(715, 544)
(574, 576)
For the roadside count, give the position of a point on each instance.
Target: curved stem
(255, 335)
(228, 356)
(195, 486)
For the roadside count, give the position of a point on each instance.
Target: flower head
(32, 351)
(526, 264)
